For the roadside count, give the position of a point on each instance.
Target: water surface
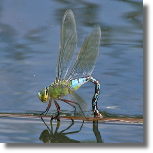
(29, 45)
(19, 129)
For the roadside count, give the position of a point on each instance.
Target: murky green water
(29, 45)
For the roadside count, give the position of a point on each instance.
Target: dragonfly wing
(87, 56)
(77, 98)
(68, 42)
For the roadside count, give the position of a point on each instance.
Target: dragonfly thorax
(59, 89)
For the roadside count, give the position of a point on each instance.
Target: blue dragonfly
(68, 80)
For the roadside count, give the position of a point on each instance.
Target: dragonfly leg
(58, 111)
(47, 109)
(69, 101)
(96, 95)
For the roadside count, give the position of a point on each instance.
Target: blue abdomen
(76, 83)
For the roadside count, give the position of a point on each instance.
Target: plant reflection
(48, 136)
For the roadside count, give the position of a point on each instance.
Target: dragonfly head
(43, 95)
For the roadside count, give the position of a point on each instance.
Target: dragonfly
(68, 80)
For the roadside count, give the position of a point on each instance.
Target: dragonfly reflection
(51, 136)
(48, 136)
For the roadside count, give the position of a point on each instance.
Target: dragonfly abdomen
(77, 83)
(96, 95)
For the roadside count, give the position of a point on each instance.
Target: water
(18, 129)
(29, 34)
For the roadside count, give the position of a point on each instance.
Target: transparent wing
(68, 41)
(75, 97)
(87, 56)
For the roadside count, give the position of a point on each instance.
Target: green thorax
(60, 89)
